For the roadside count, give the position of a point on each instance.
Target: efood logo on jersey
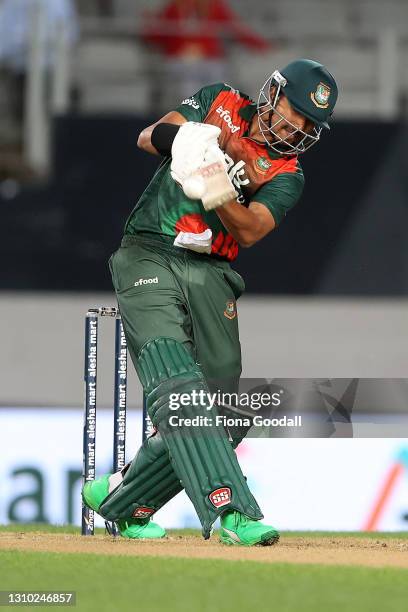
(147, 281)
(225, 114)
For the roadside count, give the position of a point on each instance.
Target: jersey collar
(247, 112)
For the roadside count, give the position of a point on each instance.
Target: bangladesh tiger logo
(230, 312)
(320, 97)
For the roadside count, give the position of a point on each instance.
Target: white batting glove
(189, 148)
(211, 182)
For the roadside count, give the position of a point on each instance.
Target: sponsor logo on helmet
(142, 512)
(320, 97)
(262, 164)
(225, 114)
(230, 312)
(191, 102)
(220, 497)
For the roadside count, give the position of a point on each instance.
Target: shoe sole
(268, 539)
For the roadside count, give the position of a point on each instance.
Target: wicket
(119, 405)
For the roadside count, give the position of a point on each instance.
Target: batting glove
(189, 148)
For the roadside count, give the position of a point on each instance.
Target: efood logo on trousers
(147, 281)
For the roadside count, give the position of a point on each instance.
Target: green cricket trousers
(168, 291)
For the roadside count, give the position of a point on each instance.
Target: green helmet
(311, 91)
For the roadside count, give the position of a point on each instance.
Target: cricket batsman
(229, 174)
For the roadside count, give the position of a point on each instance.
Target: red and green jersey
(258, 174)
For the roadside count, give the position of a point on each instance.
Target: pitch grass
(46, 528)
(110, 583)
(177, 585)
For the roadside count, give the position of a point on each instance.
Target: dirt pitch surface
(369, 552)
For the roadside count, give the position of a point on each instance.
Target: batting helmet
(311, 91)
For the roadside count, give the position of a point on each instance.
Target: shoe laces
(239, 518)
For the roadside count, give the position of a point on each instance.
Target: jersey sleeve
(196, 107)
(281, 194)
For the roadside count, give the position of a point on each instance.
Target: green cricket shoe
(93, 494)
(138, 529)
(239, 530)
(95, 491)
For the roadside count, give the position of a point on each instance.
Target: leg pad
(201, 456)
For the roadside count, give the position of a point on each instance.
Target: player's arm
(270, 205)
(144, 141)
(246, 225)
(192, 109)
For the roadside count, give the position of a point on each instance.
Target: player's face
(288, 121)
(285, 129)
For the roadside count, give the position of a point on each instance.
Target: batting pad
(201, 456)
(148, 483)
